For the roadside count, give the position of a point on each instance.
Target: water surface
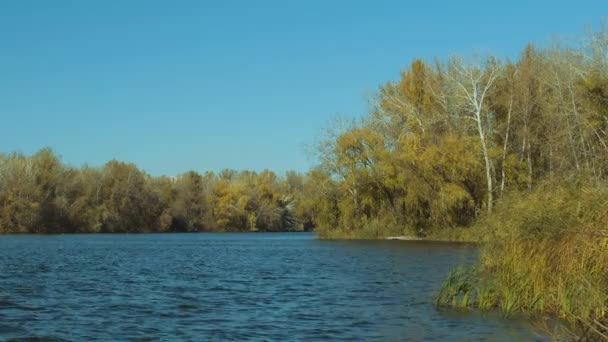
(233, 287)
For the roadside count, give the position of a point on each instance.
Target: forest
(446, 141)
(39, 194)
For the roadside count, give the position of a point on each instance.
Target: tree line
(39, 194)
(440, 146)
(446, 141)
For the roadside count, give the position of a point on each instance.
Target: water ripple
(232, 287)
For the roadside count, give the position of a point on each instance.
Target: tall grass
(455, 234)
(544, 252)
(369, 229)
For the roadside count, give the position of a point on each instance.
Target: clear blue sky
(206, 85)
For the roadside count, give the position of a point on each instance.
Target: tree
(472, 84)
(188, 208)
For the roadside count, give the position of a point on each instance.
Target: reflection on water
(233, 287)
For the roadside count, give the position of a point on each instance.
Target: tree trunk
(486, 158)
(504, 149)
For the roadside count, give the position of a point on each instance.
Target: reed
(543, 253)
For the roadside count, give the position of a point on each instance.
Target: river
(200, 287)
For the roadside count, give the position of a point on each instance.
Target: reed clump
(543, 252)
(368, 229)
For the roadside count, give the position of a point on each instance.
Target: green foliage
(458, 288)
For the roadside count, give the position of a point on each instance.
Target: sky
(202, 85)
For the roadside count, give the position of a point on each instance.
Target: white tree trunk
(472, 85)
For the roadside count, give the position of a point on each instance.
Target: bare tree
(471, 84)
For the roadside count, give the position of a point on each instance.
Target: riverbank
(461, 234)
(543, 253)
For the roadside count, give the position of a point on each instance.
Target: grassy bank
(368, 231)
(376, 229)
(544, 252)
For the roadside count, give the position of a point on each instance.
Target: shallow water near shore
(283, 286)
